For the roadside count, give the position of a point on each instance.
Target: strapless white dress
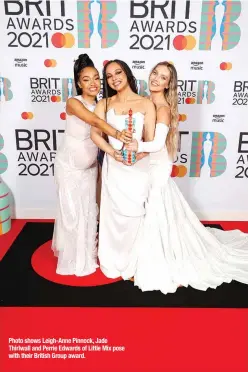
(176, 249)
(123, 198)
(74, 239)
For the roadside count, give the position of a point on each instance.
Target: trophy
(129, 156)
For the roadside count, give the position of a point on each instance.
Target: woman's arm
(162, 129)
(75, 107)
(150, 121)
(97, 138)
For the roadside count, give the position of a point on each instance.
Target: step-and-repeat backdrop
(206, 40)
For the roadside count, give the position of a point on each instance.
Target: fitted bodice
(119, 122)
(76, 127)
(77, 150)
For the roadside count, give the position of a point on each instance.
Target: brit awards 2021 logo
(36, 151)
(240, 93)
(193, 91)
(95, 24)
(206, 158)
(189, 91)
(51, 89)
(218, 28)
(38, 24)
(5, 91)
(173, 24)
(162, 26)
(242, 162)
(46, 23)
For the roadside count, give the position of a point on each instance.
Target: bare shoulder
(72, 101)
(148, 104)
(164, 115)
(100, 109)
(73, 105)
(163, 109)
(101, 103)
(109, 101)
(104, 103)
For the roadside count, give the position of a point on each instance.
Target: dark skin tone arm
(75, 107)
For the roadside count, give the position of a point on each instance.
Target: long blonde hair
(171, 97)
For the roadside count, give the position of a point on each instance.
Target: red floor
(17, 225)
(154, 339)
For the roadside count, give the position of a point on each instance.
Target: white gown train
(175, 248)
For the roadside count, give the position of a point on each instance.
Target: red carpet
(44, 264)
(8, 239)
(182, 332)
(17, 226)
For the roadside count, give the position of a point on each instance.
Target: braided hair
(82, 62)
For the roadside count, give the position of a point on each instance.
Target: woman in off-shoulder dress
(175, 249)
(124, 188)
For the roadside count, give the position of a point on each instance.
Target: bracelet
(116, 134)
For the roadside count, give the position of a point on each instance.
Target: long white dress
(124, 193)
(176, 249)
(74, 239)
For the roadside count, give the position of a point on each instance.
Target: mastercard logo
(60, 40)
(178, 171)
(225, 66)
(182, 117)
(181, 42)
(190, 101)
(63, 116)
(55, 98)
(50, 63)
(27, 115)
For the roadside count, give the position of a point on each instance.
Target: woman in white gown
(74, 239)
(176, 249)
(124, 188)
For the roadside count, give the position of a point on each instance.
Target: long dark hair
(82, 62)
(109, 92)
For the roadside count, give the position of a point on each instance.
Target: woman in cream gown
(175, 248)
(74, 239)
(124, 188)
